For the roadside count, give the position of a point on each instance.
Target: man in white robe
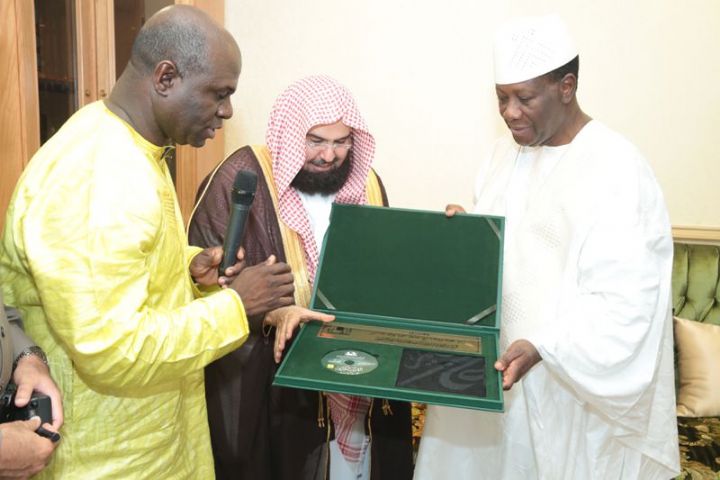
(586, 315)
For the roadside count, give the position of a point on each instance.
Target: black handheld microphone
(242, 196)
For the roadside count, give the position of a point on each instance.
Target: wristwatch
(34, 351)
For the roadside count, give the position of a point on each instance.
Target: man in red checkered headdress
(318, 151)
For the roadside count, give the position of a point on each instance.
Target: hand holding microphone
(262, 287)
(210, 266)
(241, 199)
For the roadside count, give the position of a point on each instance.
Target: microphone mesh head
(244, 187)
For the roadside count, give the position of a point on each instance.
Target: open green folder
(416, 296)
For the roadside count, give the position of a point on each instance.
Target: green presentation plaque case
(416, 298)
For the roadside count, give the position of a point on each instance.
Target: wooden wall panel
(86, 52)
(105, 47)
(27, 63)
(19, 118)
(95, 49)
(19, 109)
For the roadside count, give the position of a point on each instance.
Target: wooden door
(53, 60)
(19, 120)
(31, 104)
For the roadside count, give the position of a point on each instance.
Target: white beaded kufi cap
(528, 47)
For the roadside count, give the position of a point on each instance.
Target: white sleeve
(607, 339)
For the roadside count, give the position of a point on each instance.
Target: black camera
(39, 405)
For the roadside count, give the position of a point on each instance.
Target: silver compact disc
(349, 362)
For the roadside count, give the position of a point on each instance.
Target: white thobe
(318, 207)
(587, 272)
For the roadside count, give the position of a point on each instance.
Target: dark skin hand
(264, 287)
(519, 357)
(204, 267)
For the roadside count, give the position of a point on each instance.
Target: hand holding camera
(38, 406)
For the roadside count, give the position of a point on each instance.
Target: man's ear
(164, 77)
(568, 86)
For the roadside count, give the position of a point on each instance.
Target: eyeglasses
(322, 145)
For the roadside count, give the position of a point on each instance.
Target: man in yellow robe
(95, 256)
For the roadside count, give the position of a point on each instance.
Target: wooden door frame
(28, 80)
(95, 49)
(19, 98)
(95, 59)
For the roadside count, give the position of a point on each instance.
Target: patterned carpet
(699, 448)
(418, 422)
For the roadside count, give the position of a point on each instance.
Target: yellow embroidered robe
(95, 256)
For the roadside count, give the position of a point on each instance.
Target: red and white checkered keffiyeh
(307, 103)
(313, 101)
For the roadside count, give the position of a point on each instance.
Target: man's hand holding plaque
(519, 357)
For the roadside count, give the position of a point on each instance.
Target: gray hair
(181, 41)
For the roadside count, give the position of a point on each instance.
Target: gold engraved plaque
(401, 337)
